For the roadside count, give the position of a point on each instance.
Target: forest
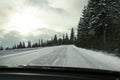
(99, 26)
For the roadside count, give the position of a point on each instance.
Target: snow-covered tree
(99, 27)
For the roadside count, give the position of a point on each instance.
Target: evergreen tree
(55, 40)
(60, 41)
(83, 27)
(29, 44)
(67, 41)
(39, 43)
(63, 39)
(99, 26)
(72, 37)
(7, 48)
(1, 48)
(20, 45)
(23, 45)
(14, 47)
(35, 45)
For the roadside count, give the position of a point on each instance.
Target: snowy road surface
(65, 56)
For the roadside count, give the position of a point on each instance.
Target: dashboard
(56, 74)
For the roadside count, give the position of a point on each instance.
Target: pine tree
(23, 45)
(60, 41)
(1, 48)
(99, 26)
(35, 45)
(7, 48)
(105, 23)
(39, 43)
(55, 40)
(63, 39)
(67, 41)
(83, 27)
(29, 44)
(14, 47)
(72, 37)
(20, 45)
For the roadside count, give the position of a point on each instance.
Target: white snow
(63, 56)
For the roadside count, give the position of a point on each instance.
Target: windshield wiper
(41, 67)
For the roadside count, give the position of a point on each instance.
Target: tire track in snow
(51, 59)
(25, 58)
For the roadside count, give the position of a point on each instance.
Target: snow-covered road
(65, 56)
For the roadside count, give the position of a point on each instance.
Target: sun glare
(25, 21)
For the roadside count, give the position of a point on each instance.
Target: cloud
(58, 15)
(10, 39)
(70, 13)
(13, 37)
(45, 31)
(37, 2)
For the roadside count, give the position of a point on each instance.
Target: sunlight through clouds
(26, 21)
(37, 18)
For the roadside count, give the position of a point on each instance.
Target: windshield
(64, 33)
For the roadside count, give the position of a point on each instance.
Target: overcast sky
(22, 20)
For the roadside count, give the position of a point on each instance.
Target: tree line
(99, 26)
(65, 40)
